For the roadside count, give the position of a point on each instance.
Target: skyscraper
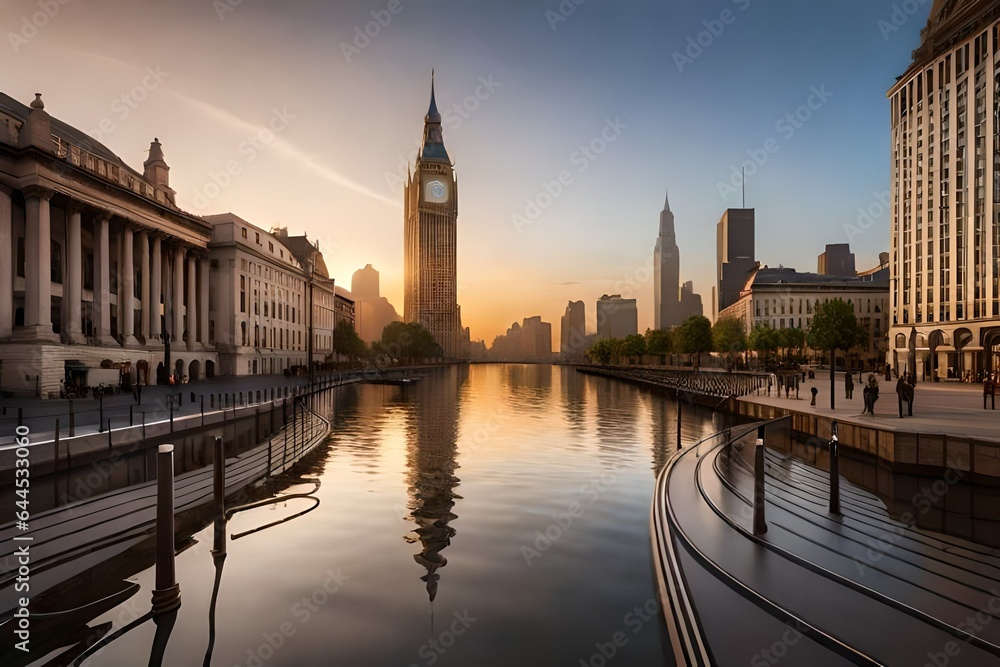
(431, 240)
(945, 194)
(373, 312)
(616, 317)
(666, 274)
(573, 330)
(734, 255)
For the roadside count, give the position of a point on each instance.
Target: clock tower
(430, 239)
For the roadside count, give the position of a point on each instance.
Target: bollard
(143, 425)
(167, 594)
(55, 462)
(679, 404)
(171, 403)
(72, 420)
(109, 432)
(203, 409)
(130, 420)
(219, 477)
(834, 471)
(759, 525)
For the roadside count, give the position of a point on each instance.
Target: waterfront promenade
(948, 408)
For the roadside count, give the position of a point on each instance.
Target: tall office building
(690, 302)
(616, 317)
(666, 273)
(734, 255)
(373, 311)
(573, 330)
(945, 188)
(837, 260)
(431, 240)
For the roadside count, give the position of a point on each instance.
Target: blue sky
(533, 90)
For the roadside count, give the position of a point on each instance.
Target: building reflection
(431, 460)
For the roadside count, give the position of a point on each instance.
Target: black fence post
(759, 525)
(834, 471)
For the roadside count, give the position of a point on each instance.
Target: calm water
(493, 515)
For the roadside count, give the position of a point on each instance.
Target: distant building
(430, 241)
(690, 302)
(616, 317)
(837, 260)
(530, 341)
(786, 299)
(573, 331)
(372, 311)
(734, 255)
(944, 199)
(666, 273)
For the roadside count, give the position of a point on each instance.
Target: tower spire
(666, 204)
(433, 116)
(433, 146)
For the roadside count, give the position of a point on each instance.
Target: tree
(729, 337)
(834, 327)
(694, 336)
(408, 340)
(763, 339)
(659, 341)
(347, 342)
(791, 339)
(633, 346)
(602, 351)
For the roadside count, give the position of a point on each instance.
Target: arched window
(256, 335)
(243, 331)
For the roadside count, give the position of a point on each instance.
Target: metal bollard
(834, 471)
(219, 477)
(759, 525)
(167, 594)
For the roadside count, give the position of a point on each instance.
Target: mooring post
(167, 594)
(219, 477)
(834, 471)
(759, 525)
(130, 416)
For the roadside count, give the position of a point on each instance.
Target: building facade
(372, 311)
(530, 341)
(735, 250)
(430, 240)
(98, 265)
(573, 331)
(945, 189)
(261, 294)
(783, 298)
(666, 273)
(616, 317)
(837, 260)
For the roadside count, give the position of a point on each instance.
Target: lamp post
(312, 269)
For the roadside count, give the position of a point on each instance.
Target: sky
(567, 121)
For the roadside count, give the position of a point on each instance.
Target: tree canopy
(347, 342)
(834, 327)
(729, 336)
(659, 341)
(410, 340)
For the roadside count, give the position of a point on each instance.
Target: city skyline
(685, 115)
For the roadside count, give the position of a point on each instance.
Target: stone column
(155, 289)
(177, 301)
(38, 265)
(102, 281)
(192, 303)
(203, 301)
(73, 282)
(6, 266)
(144, 282)
(126, 288)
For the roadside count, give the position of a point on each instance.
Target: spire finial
(37, 103)
(433, 116)
(666, 203)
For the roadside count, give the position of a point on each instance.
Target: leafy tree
(602, 351)
(659, 341)
(834, 327)
(347, 342)
(791, 339)
(694, 337)
(763, 339)
(633, 346)
(729, 336)
(409, 340)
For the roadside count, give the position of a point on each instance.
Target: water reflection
(431, 452)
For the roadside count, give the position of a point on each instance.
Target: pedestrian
(814, 392)
(849, 386)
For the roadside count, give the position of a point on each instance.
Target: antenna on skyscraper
(744, 179)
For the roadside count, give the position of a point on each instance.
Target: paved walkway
(950, 408)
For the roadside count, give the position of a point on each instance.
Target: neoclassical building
(97, 262)
(945, 225)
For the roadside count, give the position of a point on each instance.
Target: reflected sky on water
(489, 515)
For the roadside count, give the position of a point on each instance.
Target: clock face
(436, 191)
